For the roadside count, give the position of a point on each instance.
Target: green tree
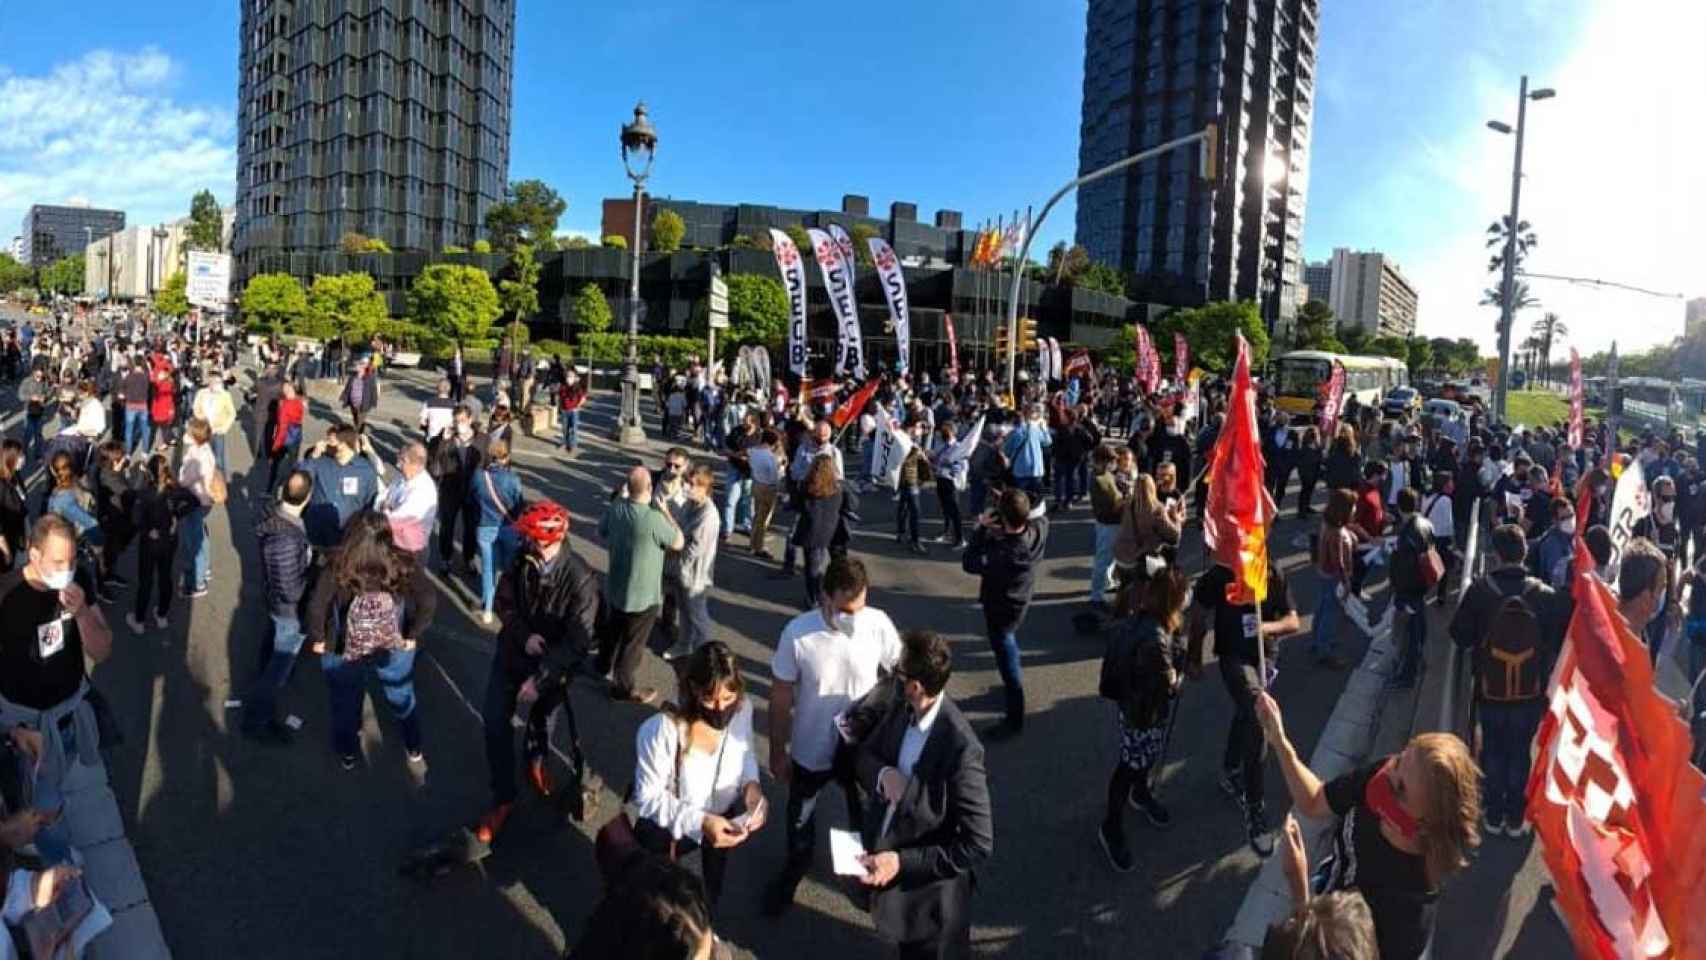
(798, 234)
(1548, 328)
(591, 310)
(171, 301)
(482, 246)
(454, 300)
(862, 232)
(1314, 326)
(1211, 331)
(275, 299)
(1102, 277)
(12, 274)
(376, 245)
(527, 214)
(616, 241)
(1421, 357)
(64, 276)
(348, 304)
(1521, 300)
(453, 248)
(1498, 234)
(567, 242)
(1395, 347)
(1355, 338)
(207, 226)
(758, 309)
(518, 293)
(353, 243)
(667, 230)
(1067, 263)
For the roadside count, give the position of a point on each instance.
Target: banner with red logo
(794, 284)
(838, 284)
(1577, 400)
(1140, 363)
(953, 344)
(893, 282)
(1181, 358)
(1079, 364)
(1332, 399)
(1616, 803)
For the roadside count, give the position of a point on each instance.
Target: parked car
(1401, 400)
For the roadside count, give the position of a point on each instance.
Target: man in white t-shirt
(411, 503)
(826, 660)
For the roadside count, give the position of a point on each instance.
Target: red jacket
(163, 407)
(1370, 511)
(571, 397)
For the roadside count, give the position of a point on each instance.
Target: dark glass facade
(1155, 70)
(388, 118)
(52, 232)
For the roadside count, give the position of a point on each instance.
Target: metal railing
(1453, 715)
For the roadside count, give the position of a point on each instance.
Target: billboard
(209, 279)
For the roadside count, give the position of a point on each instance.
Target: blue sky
(974, 107)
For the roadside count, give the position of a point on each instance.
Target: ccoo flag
(1239, 509)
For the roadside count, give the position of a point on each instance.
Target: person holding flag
(1242, 596)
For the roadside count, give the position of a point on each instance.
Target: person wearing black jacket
(1308, 460)
(1005, 550)
(925, 767)
(547, 602)
(1415, 536)
(454, 459)
(14, 504)
(283, 544)
(160, 504)
(115, 498)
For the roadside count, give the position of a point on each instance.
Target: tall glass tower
(387, 118)
(1159, 69)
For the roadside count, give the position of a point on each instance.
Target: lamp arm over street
(1204, 136)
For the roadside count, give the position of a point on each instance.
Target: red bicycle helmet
(544, 522)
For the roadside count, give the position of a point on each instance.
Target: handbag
(618, 842)
(1430, 568)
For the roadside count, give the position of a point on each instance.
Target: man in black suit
(931, 825)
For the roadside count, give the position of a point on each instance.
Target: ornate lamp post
(639, 139)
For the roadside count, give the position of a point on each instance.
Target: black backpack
(1511, 666)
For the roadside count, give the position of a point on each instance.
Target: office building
(53, 232)
(15, 249)
(1369, 291)
(134, 263)
(710, 225)
(1318, 281)
(387, 118)
(1694, 317)
(1156, 70)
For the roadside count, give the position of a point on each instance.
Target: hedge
(613, 348)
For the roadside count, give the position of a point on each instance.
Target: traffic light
(1001, 341)
(1027, 335)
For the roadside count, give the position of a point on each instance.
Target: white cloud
(1612, 183)
(107, 128)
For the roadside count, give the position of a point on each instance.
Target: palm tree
(1531, 355)
(1498, 234)
(1494, 297)
(1547, 328)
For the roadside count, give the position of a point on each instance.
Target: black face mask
(720, 718)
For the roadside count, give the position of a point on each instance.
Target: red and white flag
(1577, 400)
(1332, 399)
(953, 345)
(1181, 358)
(1618, 806)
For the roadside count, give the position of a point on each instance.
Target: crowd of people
(349, 545)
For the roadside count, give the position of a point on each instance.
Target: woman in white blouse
(696, 775)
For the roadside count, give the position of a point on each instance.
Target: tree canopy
(528, 214)
(348, 304)
(667, 230)
(615, 241)
(64, 275)
(172, 301)
(455, 301)
(1314, 326)
(275, 299)
(591, 310)
(518, 292)
(207, 226)
(12, 274)
(758, 309)
(1210, 330)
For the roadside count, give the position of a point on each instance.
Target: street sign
(718, 301)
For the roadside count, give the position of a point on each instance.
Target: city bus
(1650, 402)
(1298, 377)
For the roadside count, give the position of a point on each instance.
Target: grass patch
(1536, 408)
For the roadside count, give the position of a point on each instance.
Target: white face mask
(840, 621)
(57, 581)
(1567, 526)
(1665, 510)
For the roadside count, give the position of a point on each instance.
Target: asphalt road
(264, 852)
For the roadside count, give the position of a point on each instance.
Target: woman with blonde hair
(1407, 821)
(1146, 526)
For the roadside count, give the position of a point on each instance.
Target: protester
(14, 513)
(915, 473)
(285, 565)
(438, 412)
(1024, 449)
(653, 909)
(368, 611)
(951, 475)
(571, 397)
(411, 503)
(547, 602)
(454, 460)
(1147, 529)
(688, 572)
(826, 660)
(1109, 490)
(284, 443)
(360, 394)
(823, 503)
(1142, 673)
(213, 404)
(767, 468)
(496, 499)
(924, 766)
(1407, 823)
(346, 475)
(198, 474)
(696, 772)
(636, 529)
(1413, 554)
(1005, 549)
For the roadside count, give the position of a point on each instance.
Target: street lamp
(1507, 289)
(640, 139)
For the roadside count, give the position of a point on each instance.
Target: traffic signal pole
(1208, 141)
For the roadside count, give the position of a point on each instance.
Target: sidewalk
(97, 832)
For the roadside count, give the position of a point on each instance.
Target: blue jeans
(1065, 483)
(870, 460)
(346, 682)
(737, 502)
(571, 427)
(906, 519)
(1415, 610)
(136, 430)
(192, 546)
(496, 549)
(1102, 566)
(32, 438)
(1507, 730)
(1328, 612)
(258, 707)
(1004, 643)
(217, 442)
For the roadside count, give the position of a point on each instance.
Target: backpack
(1510, 665)
(372, 624)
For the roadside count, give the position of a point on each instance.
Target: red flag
(1576, 400)
(1140, 358)
(1181, 358)
(1239, 509)
(1332, 399)
(953, 346)
(1079, 363)
(1616, 803)
(850, 410)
